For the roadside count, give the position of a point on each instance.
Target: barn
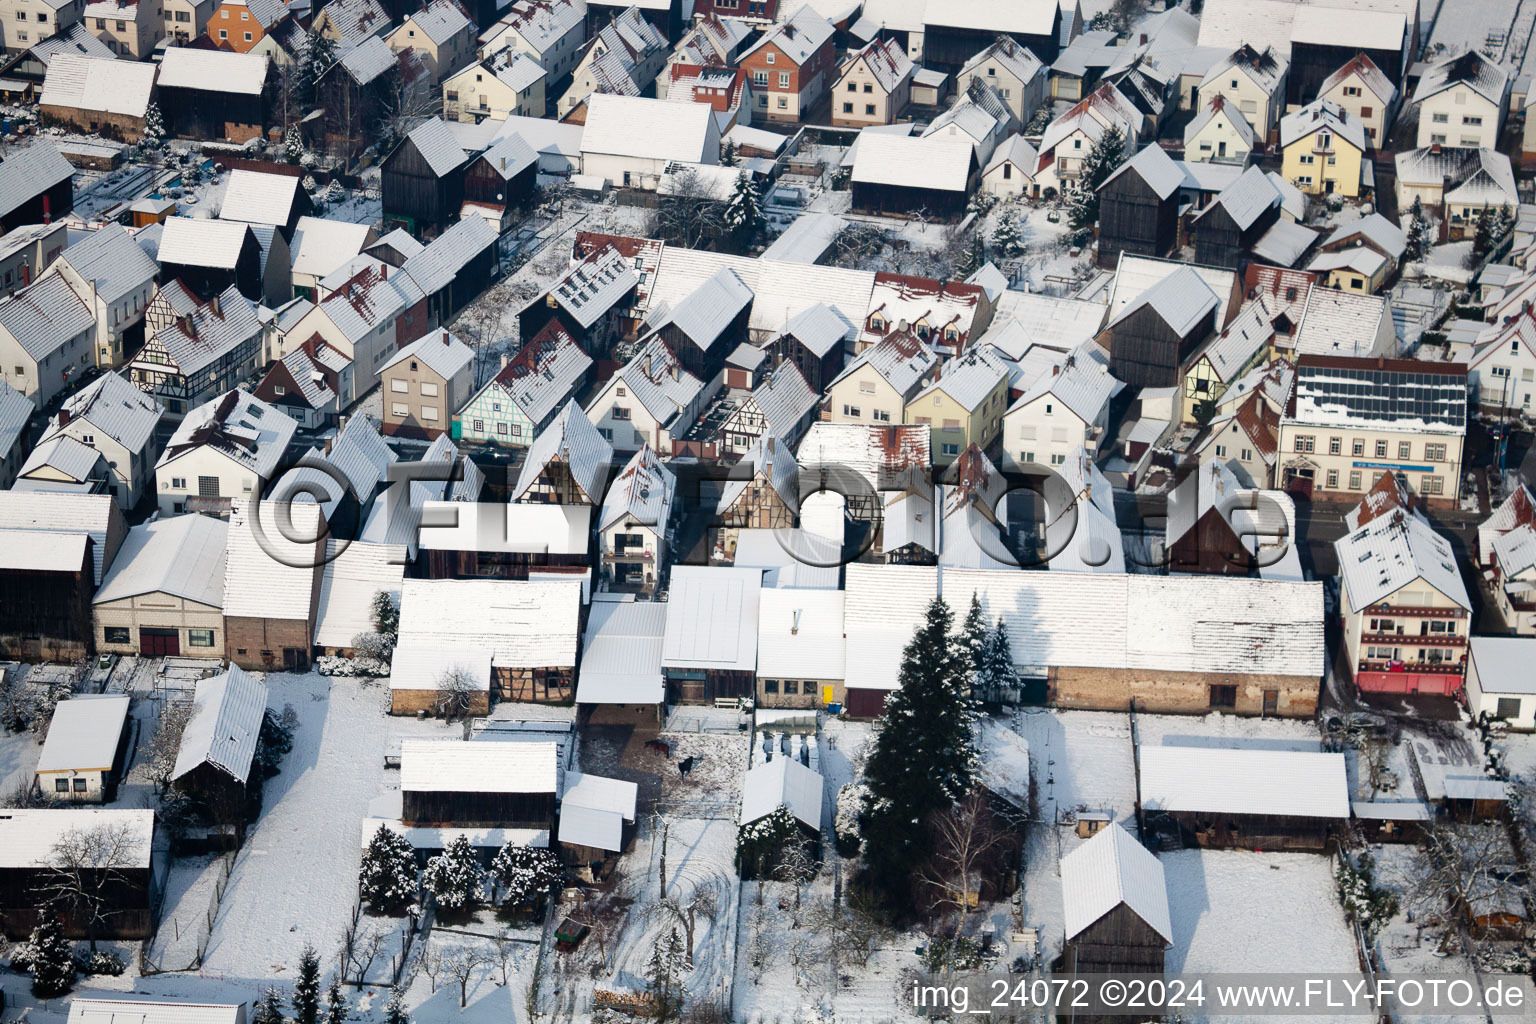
(1139, 207)
(900, 175)
(1115, 902)
(213, 95)
(27, 840)
(481, 784)
(423, 179)
(1156, 332)
(218, 745)
(709, 649)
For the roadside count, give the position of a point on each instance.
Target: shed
(1115, 902)
(84, 750)
(783, 782)
(218, 745)
(27, 839)
(1139, 207)
(709, 649)
(597, 817)
(621, 654)
(213, 95)
(900, 174)
(144, 1011)
(423, 179)
(482, 784)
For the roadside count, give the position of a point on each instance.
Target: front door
(827, 694)
(295, 659)
(1271, 701)
(1221, 149)
(158, 642)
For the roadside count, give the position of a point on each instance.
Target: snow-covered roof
(1264, 68)
(1017, 151)
(84, 732)
(1515, 552)
(970, 377)
(712, 614)
(441, 20)
(427, 665)
(1395, 551)
(1284, 243)
(524, 623)
(543, 373)
(798, 37)
(45, 316)
(540, 24)
(444, 354)
(1392, 394)
(1225, 780)
(15, 410)
(1109, 869)
(114, 262)
(800, 633)
(254, 197)
(901, 358)
(1082, 383)
(1155, 167)
(270, 574)
(1372, 229)
(1360, 259)
(73, 459)
(711, 307)
(782, 782)
(572, 439)
(143, 1011)
(1336, 322)
(652, 129)
(770, 459)
(96, 84)
(437, 146)
(27, 837)
(1008, 54)
(887, 457)
(590, 289)
(914, 162)
(1024, 17)
(1182, 300)
(58, 515)
(438, 766)
(886, 60)
(1136, 274)
(1322, 115)
(1519, 509)
(819, 328)
(353, 575)
(1492, 184)
(621, 653)
(658, 381)
(241, 426)
(202, 243)
(1234, 347)
(591, 826)
(1503, 663)
(186, 67)
(182, 556)
(884, 605)
(227, 712)
(1470, 68)
(1218, 106)
(1362, 67)
(353, 21)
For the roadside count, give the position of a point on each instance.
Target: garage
(159, 642)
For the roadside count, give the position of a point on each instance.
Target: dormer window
(877, 325)
(950, 334)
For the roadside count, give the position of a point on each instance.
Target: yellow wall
(972, 427)
(1344, 171)
(1354, 281)
(868, 392)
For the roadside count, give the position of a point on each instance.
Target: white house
(1462, 101)
(357, 316)
(630, 140)
(1013, 70)
(1219, 132)
(635, 521)
(80, 758)
(1009, 172)
(1065, 409)
(623, 58)
(47, 339)
(117, 420)
(1503, 368)
(1253, 80)
(652, 401)
(114, 277)
(552, 32)
(1500, 683)
(1366, 94)
(223, 449)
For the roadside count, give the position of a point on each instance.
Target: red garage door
(156, 642)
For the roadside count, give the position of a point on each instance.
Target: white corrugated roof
(254, 197)
(445, 354)
(95, 84)
(1224, 780)
(800, 634)
(65, 455)
(884, 606)
(227, 712)
(782, 782)
(184, 67)
(600, 793)
(27, 837)
(435, 766)
(251, 433)
(27, 172)
(591, 826)
(1181, 299)
(54, 513)
(354, 574)
(182, 555)
(524, 623)
(437, 146)
(651, 129)
(643, 490)
(271, 577)
(712, 614)
(621, 653)
(143, 1011)
(1154, 166)
(1319, 115)
(1110, 869)
(84, 733)
(45, 317)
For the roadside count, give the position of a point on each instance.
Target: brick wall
(253, 636)
(1179, 692)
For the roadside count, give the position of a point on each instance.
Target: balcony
(1444, 679)
(1393, 611)
(629, 555)
(1414, 640)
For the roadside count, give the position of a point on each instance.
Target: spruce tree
(154, 127)
(387, 879)
(269, 1008)
(666, 971)
(335, 1003)
(1482, 237)
(1106, 154)
(306, 987)
(995, 673)
(744, 213)
(394, 1010)
(454, 876)
(1417, 245)
(972, 258)
(924, 756)
(51, 956)
(1006, 240)
(972, 637)
(528, 875)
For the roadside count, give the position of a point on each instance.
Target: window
(429, 412)
(1404, 449)
(1357, 447)
(847, 108)
(1221, 451)
(1434, 453)
(1058, 459)
(951, 449)
(223, 34)
(116, 635)
(501, 429)
(179, 482)
(791, 687)
(399, 409)
(783, 103)
(768, 57)
(479, 426)
(199, 638)
(1333, 479)
(1305, 443)
(278, 389)
(61, 785)
(79, 785)
(880, 416)
(852, 410)
(1432, 485)
(1474, 121)
(620, 412)
(1223, 696)
(428, 389)
(1308, 158)
(247, 37)
(869, 108)
(770, 686)
(1334, 445)
(868, 87)
(1381, 449)
(783, 79)
(853, 87)
(1354, 480)
(1351, 90)
(1440, 118)
(1509, 707)
(1026, 456)
(1246, 455)
(400, 386)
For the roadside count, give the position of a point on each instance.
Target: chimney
(1381, 362)
(63, 417)
(26, 272)
(328, 445)
(384, 272)
(216, 306)
(445, 336)
(647, 364)
(503, 360)
(1056, 370)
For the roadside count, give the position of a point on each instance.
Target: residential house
(1214, 368)
(630, 140)
(979, 117)
(218, 746)
(29, 62)
(85, 752)
(709, 649)
(552, 32)
(1362, 255)
(26, 251)
(792, 65)
(1243, 797)
(622, 59)
(214, 95)
(117, 420)
(97, 95)
(877, 386)
(1219, 132)
(800, 648)
(1247, 438)
(185, 20)
(130, 28)
(423, 179)
(522, 398)
(307, 383)
(1069, 139)
(1324, 149)
(271, 582)
(1064, 409)
(1499, 680)
(442, 36)
(27, 22)
(814, 341)
(764, 491)
(1115, 905)
(15, 411)
(588, 303)
(223, 449)
(1153, 336)
(505, 83)
(1503, 368)
(1139, 207)
(202, 353)
(1013, 71)
(900, 174)
(1515, 511)
(1457, 184)
(651, 400)
(1340, 323)
(1405, 608)
(239, 25)
(349, 22)
(115, 279)
(1254, 81)
(781, 405)
(964, 406)
(424, 382)
(1514, 578)
(1366, 94)
(364, 315)
(126, 890)
(712, 43)
(1462, 102)
(635, 523)
(64, 464)
(95, 517)
(874, 85)
(1008, 174)
(164, 595)
(567, 464)
(47, 339)
(320, 247)
(1351, 419)
(36, 185)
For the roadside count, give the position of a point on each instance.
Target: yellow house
(964, 406)
(1352, 270)
(1324, 150)
(881, 380)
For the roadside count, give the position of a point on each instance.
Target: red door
(157, 642)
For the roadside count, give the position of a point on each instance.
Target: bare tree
(408, 101)
(460, 964)
(431, 962)
(796, 867)
(703, 901)
(502, 949)
(856, 245)
(602, 915)
(88, 867)
(1461, 868)
(854, 926)
(689, 214)
(966, 840)
(165, 744)
(457, 692)
(360, 953)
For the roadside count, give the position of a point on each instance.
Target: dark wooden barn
(947, 47)
(487, 784)
(1156, 332)
(814, 340)
(707, 326)
(1230, 226)
(423, 180)
(1312, 63)
(1201, 537)
(188, 253)
(1115, 902)
(27, 878)
(213, 95)
(902, 175)
(455, 269)
(36, 185)
(214, 765)
(46, 583)
(504, 177)
(1139, 207)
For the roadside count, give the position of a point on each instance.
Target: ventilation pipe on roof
(216, 306)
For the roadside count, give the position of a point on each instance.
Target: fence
(223, 868)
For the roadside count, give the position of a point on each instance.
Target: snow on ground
(488, 1000)
(1236, 912)
(1218, 730)
(1082, 760)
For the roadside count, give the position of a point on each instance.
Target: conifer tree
(994, 671)
(528, 875)
(972, 637)
(744, 212)
(454, 877)
(335, 1002)
(1482, 237)
(1083, 200)
(50, 957)
(394, 1010)
(665, 972)
(1417, 246)
(1006, 240)
(269, 1008)
(387, 879)
(306, 987)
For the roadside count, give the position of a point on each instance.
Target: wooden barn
(1115, 902)
(36, 185)
(454, 269)
(813, 339)
(46, 582)
(1228, 229)
(1315, 59)
(1158, 330)
(423, 180)
(1243, 798)
(1139, 207)
(479, 784)
(783, 782)
(208, 256)
(597, 820)
(502, 180)
(27, 840)
(218, 746)
(954, 33)
(213, 95)
(704, 328)
(505, 541)
(901, 175)
(709, 649)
